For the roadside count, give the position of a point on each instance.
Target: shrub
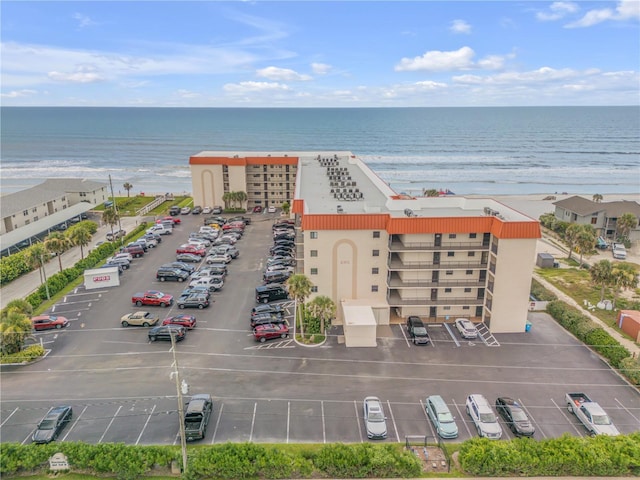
(26, 355)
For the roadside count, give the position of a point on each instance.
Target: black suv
(164, 332)
(175, 274)
(269, 293)
(175, 210)
(264, 318)
(275, 277)
(274, 308)
(417, 331)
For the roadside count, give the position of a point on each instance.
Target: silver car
(466, 328)
(375, 422)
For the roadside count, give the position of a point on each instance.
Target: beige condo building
(380, 255)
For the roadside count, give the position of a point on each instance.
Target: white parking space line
(28, 437)
(393, 420)
(145, 424)
(461, 417)
(75, 423)
(567, 418)
(624, 408)
(424, 411)
(324, 430)
(10, 415)
(288, 419)
(405, 336)
(451, 334)
(110, 423)
(538, 428)
(253, 421)
(215, 430)
(355, 406)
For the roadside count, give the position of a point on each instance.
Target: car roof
(438, 402)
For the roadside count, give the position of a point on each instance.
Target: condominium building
(380, 255)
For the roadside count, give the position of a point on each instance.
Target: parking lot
(121, 387)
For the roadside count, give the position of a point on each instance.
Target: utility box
(101, 277)
(545, 260)
(629, 323)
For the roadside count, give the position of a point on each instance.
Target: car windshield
(420, 331)
(518, 415)
(47, 425)
(601, 420)
(487, 418)
(445, 417)
(376, 417)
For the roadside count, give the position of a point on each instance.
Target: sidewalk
(29, 283)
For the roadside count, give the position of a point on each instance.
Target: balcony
(395, 245)
(396, 282)
(395, 300)
(396, 264)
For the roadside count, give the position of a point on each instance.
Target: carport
(359, 325)
(101, 277)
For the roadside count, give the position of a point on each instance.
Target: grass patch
(313, 339)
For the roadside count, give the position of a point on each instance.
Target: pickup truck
(592, 415)
(196, 416)
(619, 251)
(152, 297)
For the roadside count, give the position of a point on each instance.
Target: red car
(175, 220)
(47, 322)
(152, 297)
(187, 321)
(265, 332)
(188, 248)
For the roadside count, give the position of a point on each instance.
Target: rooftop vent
(409, 213)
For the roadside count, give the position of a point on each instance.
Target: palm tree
(226, 198)
(57, 243)
(110, 217)
(18, 305)
(322, 307)
(35, 256)
(79, 235)
(601, 275)
(626, 222)
(624, 276)
(571, 236)
(15, 327)
(127, 186)
(585, 240)
(286, 207)
(597, 198)
(431, 192)
(241, 197)
(299, 288)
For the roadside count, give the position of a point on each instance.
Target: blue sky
(319, 54)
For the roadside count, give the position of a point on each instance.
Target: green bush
(26, 355)
(630, 367)
(540, 293)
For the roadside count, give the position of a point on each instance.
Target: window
(452, 235)
(446, 308)
(34, 210)
(469, 272)
(449, 272)
(467, 290)
(375, 270)
(25, 212)
(376, 253)
(594, 220)
(376, 234)
(314, 271)
(314, 289)
(313, 253)
(447, 290)
(374, 288)
(473, 235)
(451, 254)
(466, 307)
(313, 234)
(471, 254)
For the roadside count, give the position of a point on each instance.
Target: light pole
(183, 438)
(44, 274)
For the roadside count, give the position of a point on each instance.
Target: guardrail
(160, 199)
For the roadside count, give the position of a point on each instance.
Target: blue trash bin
(527, 326)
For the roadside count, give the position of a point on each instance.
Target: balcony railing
(397, 246)
(395, 300)
(397, 264)
(396, 282)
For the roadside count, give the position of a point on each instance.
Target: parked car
(186, 321)
(515, 417)
(266, 318)
(48, 322)
(194, 300)
(268, 308)
(142, 245)
(116, 234)
(257, 209)
(152, 297)
(187, 267)
(279, 267)
(188, 257)
(199, 242)
(275, 277)
(467, 329)
(270, 293)
(218, 258)
(206, 210)
(287, 261)
(188, 248)
(139, 319)
(135, 250)
(185, 210)
(119, 261)
(164, 332)
(52, 424)
(192, 290)
(230, 250)
(213, 283)
(172, 219)
(216, 210)
(197, 210)
(375, 422)
(269, 331)
(440, 416)
(172, 274)
(174, 210)
(271, 209)
(486, 422)
(153, 235)
(417, 331)
(160, 229)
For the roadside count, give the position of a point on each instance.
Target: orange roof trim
(240, 161)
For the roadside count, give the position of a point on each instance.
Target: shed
(629, 323)
(101, 277)
(359, 325)
(545, 260)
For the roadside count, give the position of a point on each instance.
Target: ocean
(492, 151)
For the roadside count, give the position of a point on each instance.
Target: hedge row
(229, 460)
(564, 456)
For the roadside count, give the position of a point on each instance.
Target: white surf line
(110, 423)
(145, 425)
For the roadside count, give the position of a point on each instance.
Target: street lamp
(180, 389)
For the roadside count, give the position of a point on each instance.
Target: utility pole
(183, 438)
(44, 274)
(115, 209)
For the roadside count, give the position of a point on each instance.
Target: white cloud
(187, 94)
(625, 10)
(253, 87)
(320, 68)
(557, 10)
(282, 74)
(460, 26)
(461, 59)
(19, 93)
(83, 20)
(76, 77)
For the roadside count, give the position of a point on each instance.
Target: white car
(375, 422)
(206, 210)
(467, 329)
(483, 417)
(199, 242)
(212, 283)
(218, 258)
(160, 229)
(124, 255)
(271, 209)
